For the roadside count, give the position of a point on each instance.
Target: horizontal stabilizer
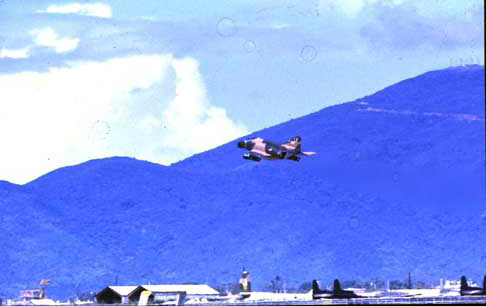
(308, 153)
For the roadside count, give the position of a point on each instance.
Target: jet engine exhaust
(252, 157)
(294, 158)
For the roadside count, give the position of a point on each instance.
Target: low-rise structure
(114, 295)
(164, 293)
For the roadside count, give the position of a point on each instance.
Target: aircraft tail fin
(294, 143)
(464, 285)
(315, 286)
(296, 139)
(336, 286)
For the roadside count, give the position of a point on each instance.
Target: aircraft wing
(260, 152)
(308, 153)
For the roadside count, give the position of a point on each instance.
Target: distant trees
(87, 296)
(305, 287)
(407, 284)
(421, 285)
(277, 285)
(398, 284)
(350, 284)
(83, 296)
(224, 288)
(374, 284)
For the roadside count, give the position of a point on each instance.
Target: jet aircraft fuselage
(263, 149)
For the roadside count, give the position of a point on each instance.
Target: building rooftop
(122, 290)
(189, 289)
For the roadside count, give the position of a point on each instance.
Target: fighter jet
(467, 290)
(317, 293)
(336, 293)
(263, 149)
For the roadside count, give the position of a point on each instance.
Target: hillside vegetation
(397, 186)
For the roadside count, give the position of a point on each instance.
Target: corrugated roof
(189, 289)
(122, 290)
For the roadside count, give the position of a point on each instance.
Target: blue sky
(162, 80)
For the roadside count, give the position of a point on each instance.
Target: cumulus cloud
(148, 107)
(47, 37)
(14, 53)
(192, 123)
(88, 9)
(406, 27)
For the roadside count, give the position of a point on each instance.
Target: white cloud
(47, 37)
(14, 53)
(464, 9)
(351, 8)
(87, 9)
(279, 26)
(192, 123)
(141, 106)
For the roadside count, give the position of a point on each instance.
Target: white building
(165, 293)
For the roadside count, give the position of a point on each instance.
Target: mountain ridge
(386, 194)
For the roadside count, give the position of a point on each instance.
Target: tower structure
(244, 282)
